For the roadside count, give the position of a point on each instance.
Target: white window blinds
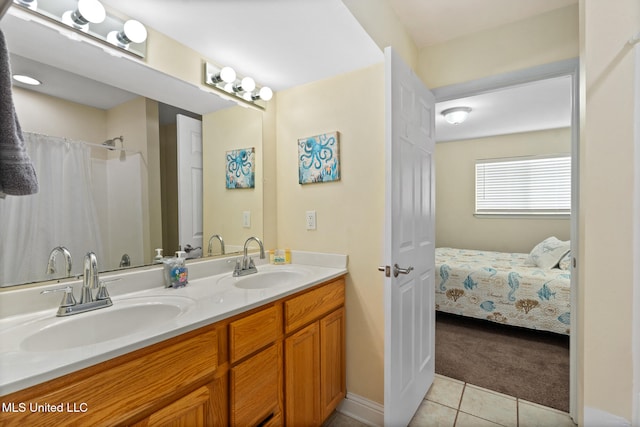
(531, 185)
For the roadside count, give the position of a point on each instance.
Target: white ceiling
(281, 43)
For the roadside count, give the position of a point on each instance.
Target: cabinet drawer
(117, 390)
(310, 306)
(254, 332)
(256, 387)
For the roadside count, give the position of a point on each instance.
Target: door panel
(409, 242)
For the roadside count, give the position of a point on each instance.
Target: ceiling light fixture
(132, 32)
(26, 80)
(235, 87)
(88, 11)
(456, 115)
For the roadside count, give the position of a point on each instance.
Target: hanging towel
(17, 175)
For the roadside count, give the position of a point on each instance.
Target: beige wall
(606, 205)
(457, 227)
(52, 116)
(383, 26)
(350, 211)
(224, 130)
(550, 37)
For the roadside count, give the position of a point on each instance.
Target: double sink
(130, 315)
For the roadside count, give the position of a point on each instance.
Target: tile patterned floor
(453, 403)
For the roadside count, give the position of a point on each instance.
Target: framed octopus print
(319, 158)
(241, 168)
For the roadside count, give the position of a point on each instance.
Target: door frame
(568, 67)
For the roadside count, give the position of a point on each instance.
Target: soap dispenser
(179, 271)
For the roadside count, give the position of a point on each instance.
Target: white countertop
(210, 300)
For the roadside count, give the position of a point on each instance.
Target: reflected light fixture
(132, 32)
(31, 4)
(27, 80)
(88, 11)
(456, 115)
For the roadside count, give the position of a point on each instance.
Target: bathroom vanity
(280, 360)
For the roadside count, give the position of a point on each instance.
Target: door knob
(397, 270)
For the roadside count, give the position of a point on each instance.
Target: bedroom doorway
(563, 70)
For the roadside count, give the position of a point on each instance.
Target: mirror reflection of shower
(111, 145)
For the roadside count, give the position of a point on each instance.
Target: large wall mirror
(105, 135)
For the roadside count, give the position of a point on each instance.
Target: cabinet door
(302, 377)
(256, 388)
(332, 361)
(193, 409)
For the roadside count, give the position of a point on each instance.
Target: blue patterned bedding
(502, 288)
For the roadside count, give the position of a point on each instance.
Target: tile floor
(453, 403)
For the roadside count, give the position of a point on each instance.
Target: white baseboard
(364, 410)
(598, 418)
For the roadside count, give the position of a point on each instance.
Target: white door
(189, 181)
(409, 346)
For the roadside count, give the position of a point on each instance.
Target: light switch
(246, 219)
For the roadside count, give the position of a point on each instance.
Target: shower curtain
(63, 213)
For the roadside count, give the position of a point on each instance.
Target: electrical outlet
(246, 219)
(310, 219)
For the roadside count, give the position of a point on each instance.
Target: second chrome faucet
(246, 266)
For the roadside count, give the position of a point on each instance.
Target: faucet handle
(68, 299)
(102, 288)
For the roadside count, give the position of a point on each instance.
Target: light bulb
(134, 31)
(265, 93)
(88, 11)
(227, 75)
(246, 85)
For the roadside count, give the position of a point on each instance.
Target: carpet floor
(523, 363)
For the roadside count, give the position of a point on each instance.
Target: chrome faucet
(51, 265)
(210, 248)
(90, 281)
(246, 266)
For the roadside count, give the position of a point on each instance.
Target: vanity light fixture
(27, 80)
(88, 11)
(241, 89)
(456, 115)
(86, 20)
(132, 32)
(31, 4)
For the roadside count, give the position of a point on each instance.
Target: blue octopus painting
(241, 168)
(318, 159)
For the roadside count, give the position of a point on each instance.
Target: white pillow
(548, 253)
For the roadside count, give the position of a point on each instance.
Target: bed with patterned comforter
(504, 288)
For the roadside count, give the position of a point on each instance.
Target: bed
(508, 288)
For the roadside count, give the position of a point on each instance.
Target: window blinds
(533, 185)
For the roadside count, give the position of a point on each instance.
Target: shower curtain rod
(91, 144)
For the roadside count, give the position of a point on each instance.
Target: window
(524, 186)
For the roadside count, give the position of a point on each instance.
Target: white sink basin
(268, 278)
(125, 317)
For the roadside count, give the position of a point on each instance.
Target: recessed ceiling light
(27, 80)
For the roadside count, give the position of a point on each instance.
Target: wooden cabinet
(282, 363)
(129, 388)
(314, 354)
(255, 343)
(193, 409)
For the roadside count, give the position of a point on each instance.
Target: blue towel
(17, 175)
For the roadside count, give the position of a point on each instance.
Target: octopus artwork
(241, 168)
(318, 159)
